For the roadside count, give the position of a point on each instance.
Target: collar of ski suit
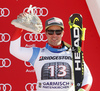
(55, 50)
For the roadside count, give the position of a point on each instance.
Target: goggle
(51, 32)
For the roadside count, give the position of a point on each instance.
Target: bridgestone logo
(55, 58)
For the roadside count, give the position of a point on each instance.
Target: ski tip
(76, 15)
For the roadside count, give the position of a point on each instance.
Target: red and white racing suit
(53, 67)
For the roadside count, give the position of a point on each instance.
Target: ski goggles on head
(51, 32)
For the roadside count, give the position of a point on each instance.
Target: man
(53, 63)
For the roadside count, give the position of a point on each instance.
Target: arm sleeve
(19, 52)
(87, 81)
(16, 50)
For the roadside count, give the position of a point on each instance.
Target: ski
(77, 38)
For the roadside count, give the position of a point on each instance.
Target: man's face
(53, 38)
